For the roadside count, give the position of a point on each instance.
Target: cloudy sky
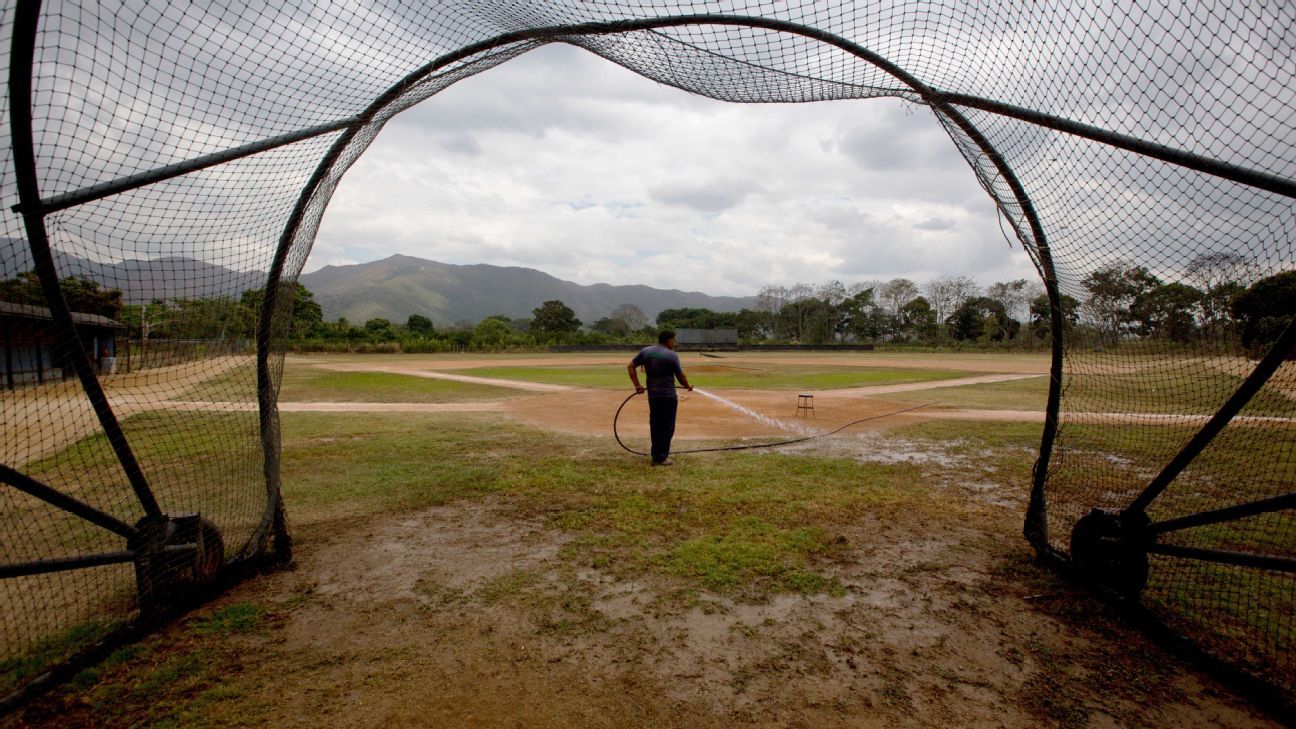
(564, 162)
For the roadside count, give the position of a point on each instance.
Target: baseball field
(473, 548)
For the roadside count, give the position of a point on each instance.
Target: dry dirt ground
(472, 614)
(467, 615)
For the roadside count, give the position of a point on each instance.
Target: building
(706, 338)
(28, 351)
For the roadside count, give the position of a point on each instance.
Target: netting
(185, 153)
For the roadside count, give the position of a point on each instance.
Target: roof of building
(26, 311)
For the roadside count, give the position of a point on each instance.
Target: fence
(141, 354)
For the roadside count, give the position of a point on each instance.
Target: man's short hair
(665, 336)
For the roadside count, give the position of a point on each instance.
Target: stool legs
(805, 406)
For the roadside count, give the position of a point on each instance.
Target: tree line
(1218, 299)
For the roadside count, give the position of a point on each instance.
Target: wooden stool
(805, 406)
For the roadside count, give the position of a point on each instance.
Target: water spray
(752, 413)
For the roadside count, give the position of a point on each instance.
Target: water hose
(803, 439)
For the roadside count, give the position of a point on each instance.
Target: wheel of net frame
(1168, 166)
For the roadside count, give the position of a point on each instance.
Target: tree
(608, 325)
(492, 332)
(1011, 295)
(307, 316)
(1167, 311)
(917, 320)
(631, 315)
(695, 318)
(1220, 276)
(833, 293)
(1265, 309)
(863, 319)
(144, 319)
(82, 295)
(754, 324)
(1041, 315)
(897, 292)
(770, 299)
(1112, 291)
(793, 315)
(947, 293)
(982, 318)
(818, 320)
(420, 325)
(554, 317)
(215, 318)
(379, 329)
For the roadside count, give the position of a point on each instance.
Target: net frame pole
(7, 343)
(1228, 513)
(54, 497)
(1250, 386)
(1036, 526)
(267, 397)
(63, 564)
(1178, 157)
(22, 54)
(91, 193)
(1225, 556)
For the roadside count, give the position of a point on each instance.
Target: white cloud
(561, 161)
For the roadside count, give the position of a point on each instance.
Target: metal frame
(947, 106)
(26, 22)
(54, 497)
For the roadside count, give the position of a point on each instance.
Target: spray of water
(775, 422)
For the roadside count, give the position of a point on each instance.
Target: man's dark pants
(661, 423)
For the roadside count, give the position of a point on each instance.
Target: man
(661, 367)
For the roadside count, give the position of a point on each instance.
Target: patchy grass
(1118, 461)
(743, 525)
(168, 679)
(773, 377)
(748, 524)
(17, 670)
(241, 617)
(236, 384)
(753, 552)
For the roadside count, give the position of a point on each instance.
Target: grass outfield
(1029, 394)
(312, 384)
(750, 377)
(316, 385)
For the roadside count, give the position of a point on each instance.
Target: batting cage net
(168, 165)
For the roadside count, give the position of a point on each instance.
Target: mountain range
(392, 288)
(399, 285)
(140, 280)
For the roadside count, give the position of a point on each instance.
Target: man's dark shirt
(661, 365)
